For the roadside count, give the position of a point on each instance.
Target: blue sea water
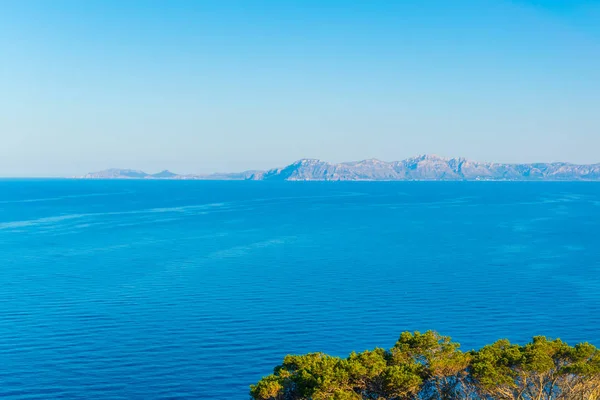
(195, 290)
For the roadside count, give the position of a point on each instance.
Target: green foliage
(430, 366)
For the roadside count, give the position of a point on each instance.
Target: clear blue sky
(224, 85)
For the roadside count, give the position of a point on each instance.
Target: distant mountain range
(426, 167)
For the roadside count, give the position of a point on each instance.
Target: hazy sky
(223, 85)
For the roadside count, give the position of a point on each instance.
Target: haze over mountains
(425, 167)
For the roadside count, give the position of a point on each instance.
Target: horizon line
(420, 156)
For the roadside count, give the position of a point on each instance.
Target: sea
(147, 289)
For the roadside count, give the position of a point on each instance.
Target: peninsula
(421, 168)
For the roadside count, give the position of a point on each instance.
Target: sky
(198, 86)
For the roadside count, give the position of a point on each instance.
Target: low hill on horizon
(421, 168)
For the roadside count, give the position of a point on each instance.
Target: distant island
(421, 168)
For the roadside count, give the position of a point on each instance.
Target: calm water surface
(193, 290)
